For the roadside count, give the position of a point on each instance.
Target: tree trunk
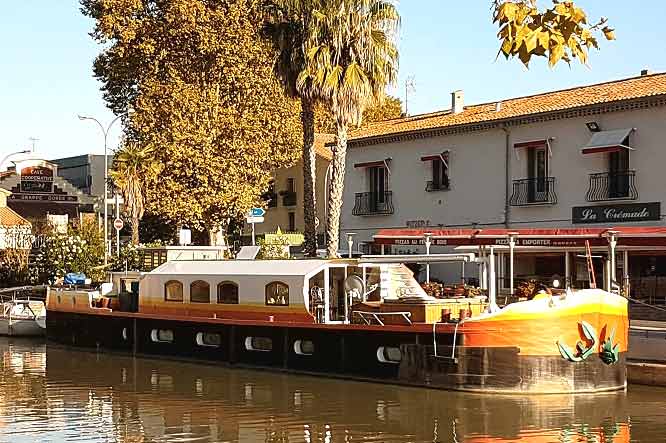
(309, 179)
(134, 222)
(337, 188)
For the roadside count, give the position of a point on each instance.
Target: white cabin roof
(240, 267)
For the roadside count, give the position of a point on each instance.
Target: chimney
(498, 106)
(645, 72)
(457, 101)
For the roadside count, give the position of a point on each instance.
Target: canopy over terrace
(554, 240)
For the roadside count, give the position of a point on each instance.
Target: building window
(292, 221)
(377, 182)
(227, 293)
(291, 185)
(537, 173)
(209, 339)
(277, 294)
(387, 354)
(161, 335)
(618, 174)
(440, 174)
(199, 292)
(263, 344)
(173, 291)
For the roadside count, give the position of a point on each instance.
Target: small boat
(21, 317)
(365, 318)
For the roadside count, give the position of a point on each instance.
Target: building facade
(591, 156)
(38, 191)
(285, 198)
(86, 172)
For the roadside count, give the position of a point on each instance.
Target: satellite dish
(354, 283)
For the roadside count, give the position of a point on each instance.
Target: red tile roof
(321, 140)
(614, 91)
(10, 218)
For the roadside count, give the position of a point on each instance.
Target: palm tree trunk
(337, 187)
(309, 178)
(134, 222)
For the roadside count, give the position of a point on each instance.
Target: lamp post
(512, 246)
(105, 132)
(25, 151)
(428, 242)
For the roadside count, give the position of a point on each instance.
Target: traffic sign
(118, 224)
(253, 219)
(257, 212)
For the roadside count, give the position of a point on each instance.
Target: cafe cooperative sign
(37, 179)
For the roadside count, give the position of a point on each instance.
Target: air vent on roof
(645, 72)
(498, 106)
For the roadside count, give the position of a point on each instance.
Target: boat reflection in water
(59, 394)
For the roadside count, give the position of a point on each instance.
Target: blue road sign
(257, 212)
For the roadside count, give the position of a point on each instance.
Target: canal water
(55, 394)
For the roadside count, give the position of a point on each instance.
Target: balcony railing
(618, 185)
(373, 203)
(431, 186)
(270, 198)
(533, 191)
(288, 198)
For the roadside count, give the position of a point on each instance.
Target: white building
(591, 156)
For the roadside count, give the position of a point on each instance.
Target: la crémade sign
(621, 213)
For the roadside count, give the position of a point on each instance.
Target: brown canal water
(55, 394)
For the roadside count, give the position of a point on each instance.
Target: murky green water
(55, 394)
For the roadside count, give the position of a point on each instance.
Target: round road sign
(118, 224)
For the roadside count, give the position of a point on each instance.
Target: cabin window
(304, 347)
(173, 291)
(277, 294)
(210, 339)
(263, 344)
(161, 335)
(199, 292)
(227, 293)
(386, 354)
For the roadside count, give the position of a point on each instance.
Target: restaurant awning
(608, 141)
(628, 236)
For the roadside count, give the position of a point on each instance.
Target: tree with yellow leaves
(198, 76)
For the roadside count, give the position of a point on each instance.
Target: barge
(364, 318)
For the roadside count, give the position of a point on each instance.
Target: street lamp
(25, 151)
(428, 241)
(106, 172)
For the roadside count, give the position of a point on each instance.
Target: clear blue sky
(46, 57)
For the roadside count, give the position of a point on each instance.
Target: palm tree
(351, 57)
(133, 168)
(288, 23)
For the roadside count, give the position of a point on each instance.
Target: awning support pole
(567, 270)
(512, 246)
(428, 241)
(612, 244)
(382, 249)
(626, 272)
(492, 288)
(327, 295)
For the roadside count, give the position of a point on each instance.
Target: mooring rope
(646, 304)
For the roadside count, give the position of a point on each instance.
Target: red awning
(381, 163)
(627, 236)
(531, 144)
(608, 141)
(603, 149)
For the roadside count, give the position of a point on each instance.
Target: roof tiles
(567, 99)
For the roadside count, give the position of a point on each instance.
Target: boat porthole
(262, 344)
(125, 334)
(304, 347)
(161, 335)
(209, 339)
(386, 354)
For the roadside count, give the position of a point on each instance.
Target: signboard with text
(37, 179)
(620, 213)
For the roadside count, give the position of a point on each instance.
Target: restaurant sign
(37, 179)
(624, 213)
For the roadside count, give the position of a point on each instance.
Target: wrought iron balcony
(270, 198)
(533, 191)
(288, 198)
(373, 203)
(618, 185)
(431, 186)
